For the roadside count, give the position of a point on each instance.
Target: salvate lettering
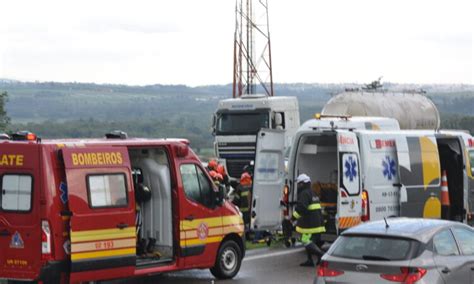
(11, 160)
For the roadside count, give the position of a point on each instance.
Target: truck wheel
(228, 261)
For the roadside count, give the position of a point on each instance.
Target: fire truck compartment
(150, 168)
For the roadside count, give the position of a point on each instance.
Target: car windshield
(241, 123)
(373, 248)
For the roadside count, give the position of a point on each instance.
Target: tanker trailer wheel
(228, 260)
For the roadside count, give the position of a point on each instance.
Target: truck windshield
(241, 123)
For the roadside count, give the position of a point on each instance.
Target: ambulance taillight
(45, 241)
(365, 206)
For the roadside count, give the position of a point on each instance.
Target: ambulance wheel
(228, 261)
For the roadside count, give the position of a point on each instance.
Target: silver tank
(412, 110)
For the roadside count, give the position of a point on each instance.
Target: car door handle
(397, 184)
(4, 233)
(446, 270)
(122, 226)
(345, 202)
(189, 218)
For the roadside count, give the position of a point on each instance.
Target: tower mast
(252, 52)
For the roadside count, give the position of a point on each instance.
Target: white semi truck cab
(237, 122)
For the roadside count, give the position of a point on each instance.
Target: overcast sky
(191, 42)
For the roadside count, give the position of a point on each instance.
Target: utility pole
(252, 52)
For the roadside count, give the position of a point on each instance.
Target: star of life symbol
(202, 231)
(389, 168)
(17, 241)
(351, 169)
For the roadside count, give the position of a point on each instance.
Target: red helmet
(213, 174)
(245, 179)
(212, 164)
(219, 177)
(220, 169)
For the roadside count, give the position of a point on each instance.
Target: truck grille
(235, 167)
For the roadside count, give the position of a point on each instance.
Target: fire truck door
(268, 179)
(102, 204)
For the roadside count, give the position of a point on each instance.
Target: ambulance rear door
(349, 204)
(268, 180)
(101, 201)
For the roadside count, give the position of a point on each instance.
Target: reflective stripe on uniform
(296, 215)
(244, 209)
(245, 193)
(316, 230)
(314, 206)
(306, 238)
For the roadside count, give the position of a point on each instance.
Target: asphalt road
(276, 265)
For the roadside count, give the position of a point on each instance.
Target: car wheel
(228, 261)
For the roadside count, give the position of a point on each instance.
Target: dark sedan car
(401, 250)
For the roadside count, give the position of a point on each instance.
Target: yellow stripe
(234, 229)
(101, 254)
(232, 220)
(97, 246)
(193, 242)
(316, 230)
(348, 222)
(296, 215)
(430, 161)
(314, 206)
(97, 235)
(211, 222)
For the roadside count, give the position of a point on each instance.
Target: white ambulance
(321, 133)
(368, 169)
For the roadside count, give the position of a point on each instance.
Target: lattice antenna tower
(252, 52)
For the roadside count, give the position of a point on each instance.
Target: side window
(190, 182)
(196, 185)
(16, 192)
(444, 243)
(465, 240)
(206, 188)
(107, 190)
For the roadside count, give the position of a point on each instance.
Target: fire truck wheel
(228, 261)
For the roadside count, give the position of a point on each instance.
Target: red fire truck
(97, 209)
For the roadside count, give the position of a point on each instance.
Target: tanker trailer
(411, 109)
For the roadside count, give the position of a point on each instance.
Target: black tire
(228, 260)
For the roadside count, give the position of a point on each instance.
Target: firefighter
(221, 170)
(309, 219)
(243, 197)
(212, 165)
(216, 177)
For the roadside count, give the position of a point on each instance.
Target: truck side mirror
(278, 120)
(214, 120)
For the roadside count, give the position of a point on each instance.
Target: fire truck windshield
(241, 123)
